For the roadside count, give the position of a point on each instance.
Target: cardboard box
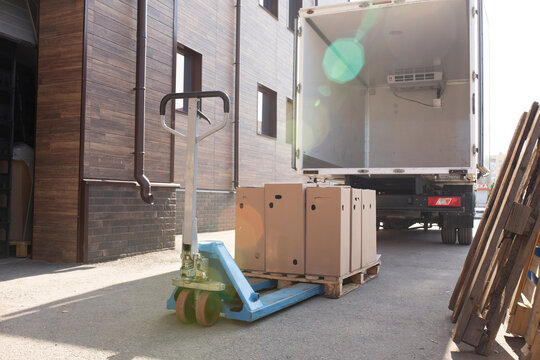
(369, 227)
(249, 248)
(356, 229)
(328, 230)
(284, 215)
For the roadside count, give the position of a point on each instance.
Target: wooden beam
(459, 287)
(513, 181)
(518, 218)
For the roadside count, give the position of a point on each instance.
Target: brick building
(82, 54)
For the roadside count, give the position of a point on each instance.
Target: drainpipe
(140, 87)
(237, 95)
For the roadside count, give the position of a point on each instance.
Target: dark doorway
(18, 93)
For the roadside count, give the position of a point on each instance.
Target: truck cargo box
(388, 88)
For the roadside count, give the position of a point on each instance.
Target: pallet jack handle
(198, 95)
(190, 246)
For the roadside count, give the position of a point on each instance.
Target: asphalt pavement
(116, 310)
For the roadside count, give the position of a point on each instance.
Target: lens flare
(369, 20)
(324, 90)
(314, 134)
(343, 60)
(317, 102)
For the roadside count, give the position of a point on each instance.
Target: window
(289, 122)
(266, 112)
(188, 73)
(270, 5)
(294, 6)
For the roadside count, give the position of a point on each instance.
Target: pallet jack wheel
(185, 306)
(207, 308)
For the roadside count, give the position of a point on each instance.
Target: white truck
(389, 96)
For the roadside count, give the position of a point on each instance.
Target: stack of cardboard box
(305, 229)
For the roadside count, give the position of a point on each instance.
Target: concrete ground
(116, 310)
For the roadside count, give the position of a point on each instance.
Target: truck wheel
(448, 235)
(465, 236)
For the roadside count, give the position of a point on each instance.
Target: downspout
(140, 87)
(237, 96)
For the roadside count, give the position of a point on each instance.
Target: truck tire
(448, 235)
(465, 236)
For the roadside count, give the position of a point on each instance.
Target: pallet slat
(500, 256)
(335, 287)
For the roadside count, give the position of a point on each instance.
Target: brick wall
(120, 223)
(215, 211)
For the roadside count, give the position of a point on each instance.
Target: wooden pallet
(504, 241)
(21, 248)
(524, 318)
(334, 287)
(524, 301)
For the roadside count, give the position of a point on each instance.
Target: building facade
(86, 203)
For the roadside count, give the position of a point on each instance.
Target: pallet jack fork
(210, 282)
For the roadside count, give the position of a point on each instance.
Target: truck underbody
(405, 201)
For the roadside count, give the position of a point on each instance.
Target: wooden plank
(512, 183)
(474, 256)
(474, 330)
(517, 220)
(335, 287)
(524, 281)
(499, 261)
(535, 346)
(534, 319)
(476, 244)
(531, 351)
(517, 324)
(325, 280)
(523, 246)
(502, 295)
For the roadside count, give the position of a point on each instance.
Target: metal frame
(192, 137)
(208, 266)
(255, 303)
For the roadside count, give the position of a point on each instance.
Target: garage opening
(18, 94)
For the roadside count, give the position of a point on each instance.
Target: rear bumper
(392, 204)
(415, 207)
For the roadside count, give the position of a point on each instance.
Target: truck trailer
(389, 96)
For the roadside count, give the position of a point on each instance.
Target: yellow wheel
(185, 306)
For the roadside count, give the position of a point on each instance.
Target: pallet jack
(210, 283)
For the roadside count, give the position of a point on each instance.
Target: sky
(514, 62)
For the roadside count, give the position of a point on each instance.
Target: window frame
(193, 67)
(272, 115)
(269, 9)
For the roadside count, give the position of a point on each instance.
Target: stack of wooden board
(525, 310)
(504, 241)
(307, 233)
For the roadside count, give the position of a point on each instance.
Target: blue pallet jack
(210, 283)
